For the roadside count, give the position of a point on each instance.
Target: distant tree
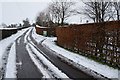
(3, 25)
(40, 19)
(33, 24)
(13, 25)
(44, 19)
(26, 23)
(20, 25)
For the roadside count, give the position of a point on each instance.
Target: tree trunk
(96, 10)
(62, 22)
(118, 15)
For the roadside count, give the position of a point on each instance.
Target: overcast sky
(16, 11)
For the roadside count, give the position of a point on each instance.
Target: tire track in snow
(53, 71)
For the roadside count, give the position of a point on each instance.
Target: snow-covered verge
(5, 43)
(105, 70)
(11, 64)
(79, 61)
(37, 37)
(41, 26)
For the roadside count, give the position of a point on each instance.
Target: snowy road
(26, 69)
(31, 59)
(29, 55)
(42, 65)
(70, 71)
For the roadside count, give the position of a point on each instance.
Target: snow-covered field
(79, 60)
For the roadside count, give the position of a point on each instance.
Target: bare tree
(26, 23)
(117, 9)
(40, 18)
(61, 10)
(44, 19)
(54, 12)
(98, 11)
(3, 25)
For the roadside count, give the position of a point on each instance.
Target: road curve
(70, 71)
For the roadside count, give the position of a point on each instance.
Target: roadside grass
(88, 57)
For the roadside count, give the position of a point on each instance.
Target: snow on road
(77, 59)
(51, 69)
(49, 43)
(26, 35)
(36, 62)
(11, 64)
(90, 64)
(5, 43)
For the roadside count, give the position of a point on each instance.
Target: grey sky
(15, 12)
(0, 13)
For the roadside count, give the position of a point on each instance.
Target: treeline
(55, 14)
(26, 23)
(59, 11)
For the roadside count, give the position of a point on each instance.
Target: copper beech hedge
(100, 41)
